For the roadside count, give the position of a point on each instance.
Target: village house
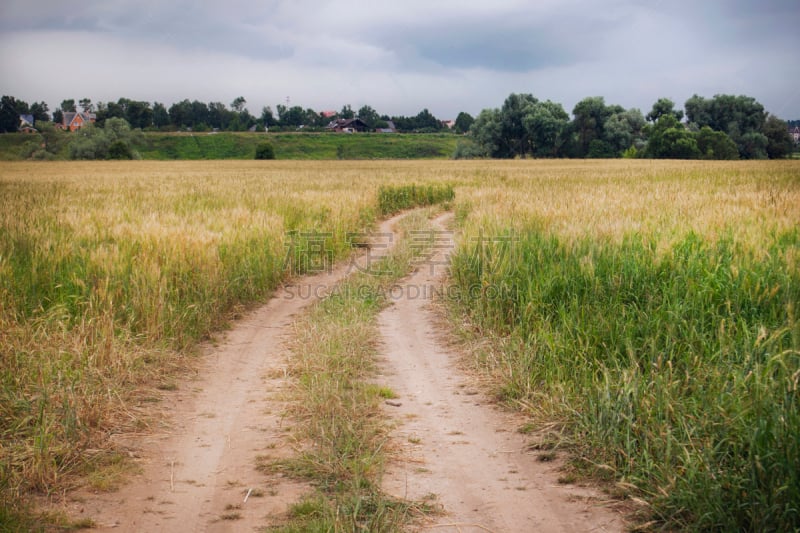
(795, 133)
(26, 124)
(349, 125)
(76, 120)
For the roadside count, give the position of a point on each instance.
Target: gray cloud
(448, 55)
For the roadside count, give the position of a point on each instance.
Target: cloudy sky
(401, 56)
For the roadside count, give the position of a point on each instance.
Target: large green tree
(624, 130)
(68, 106)
(546, 126)
(10, 110)
(487, 132)
(160, 115)
(219, 116)
(292, 117)
(664, 106)
(588, 127)
(669, 139)
(347, 112)
(370, 117)
(268, 117)
(715, 144)
(137, 113)
(523, 127)
(741, 117)
(515, 136)
(425, 120)
(40, 110)
(238, 104)
(779, 142)
(180, 113)
(463, 122)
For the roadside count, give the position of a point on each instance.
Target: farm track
(457, 445)
(197, 473)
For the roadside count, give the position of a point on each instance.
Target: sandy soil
(457, 446)
(198, 472)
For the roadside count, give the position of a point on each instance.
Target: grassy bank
(655, 316)
(294, 146)
(298, 146)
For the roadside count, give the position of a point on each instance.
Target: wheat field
(644, 305)
(649, 309)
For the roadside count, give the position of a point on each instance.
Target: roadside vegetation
(341, 429)
(646, 308)
(111, 273)
(651, 310)
(395, 198)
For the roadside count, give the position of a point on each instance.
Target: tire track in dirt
(196, 473)
(459, 447)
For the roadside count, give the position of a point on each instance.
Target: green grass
(316, 146)
(111, 273)
(198, 146)
(105, 287)
(339, 411)
(395, 198)
(676, 369)
(646, 307)
(12, 145)
(364, 146)
(293, 146)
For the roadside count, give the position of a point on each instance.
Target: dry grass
(338, 412)
(611, 199)
(651, 309)
(111, 272)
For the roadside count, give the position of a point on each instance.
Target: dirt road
(458, 447)
(199, 472)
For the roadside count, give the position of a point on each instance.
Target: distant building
(450, 124)
(390, 128)
(350, 125)
(26, 124)
(76, 120)
(795, 133)
(328, 114)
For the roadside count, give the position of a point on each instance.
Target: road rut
(457, 446)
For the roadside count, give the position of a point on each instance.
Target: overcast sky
(401, 56)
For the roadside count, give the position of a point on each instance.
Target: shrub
(265, 151)
(468, 150)
(120, 150)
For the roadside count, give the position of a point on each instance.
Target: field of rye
(110, 273)
(648, 308)
(651, 310)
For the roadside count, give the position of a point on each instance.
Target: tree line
(201, 116)
(722, 127)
